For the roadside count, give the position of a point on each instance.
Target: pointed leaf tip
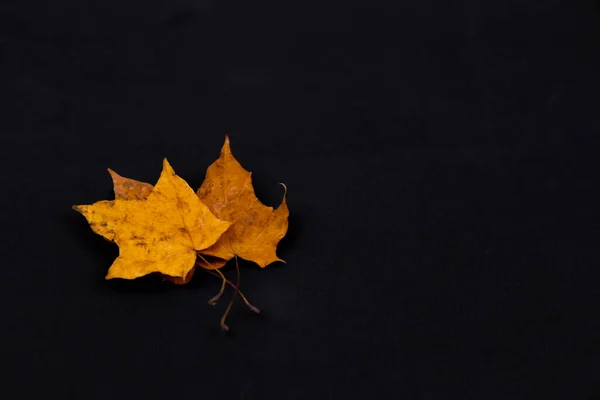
(113, 174)
(167, 166)
(80, 209)
(226, 149)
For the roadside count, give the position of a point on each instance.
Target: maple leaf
(131, 189)
(158, 229)
(256, 228)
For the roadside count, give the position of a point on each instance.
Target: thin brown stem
(219, 274)
(237, 286)
(215, 298)
(205, 260)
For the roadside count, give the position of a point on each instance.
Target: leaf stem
(219, 274)
(236, 291)
(225, 281)
(215, 298)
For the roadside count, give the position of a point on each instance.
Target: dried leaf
(130, 189)
(156, 232)
(256, 229)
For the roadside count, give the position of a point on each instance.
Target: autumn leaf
(158, 229)
(256, 228)
(130, 189)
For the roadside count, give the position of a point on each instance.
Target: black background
(440, 164)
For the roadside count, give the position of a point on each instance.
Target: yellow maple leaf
(159, 230)
(131, 189)
(256, 228)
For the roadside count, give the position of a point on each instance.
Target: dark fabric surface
(440, 160)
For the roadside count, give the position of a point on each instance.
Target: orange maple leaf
(256, 228)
